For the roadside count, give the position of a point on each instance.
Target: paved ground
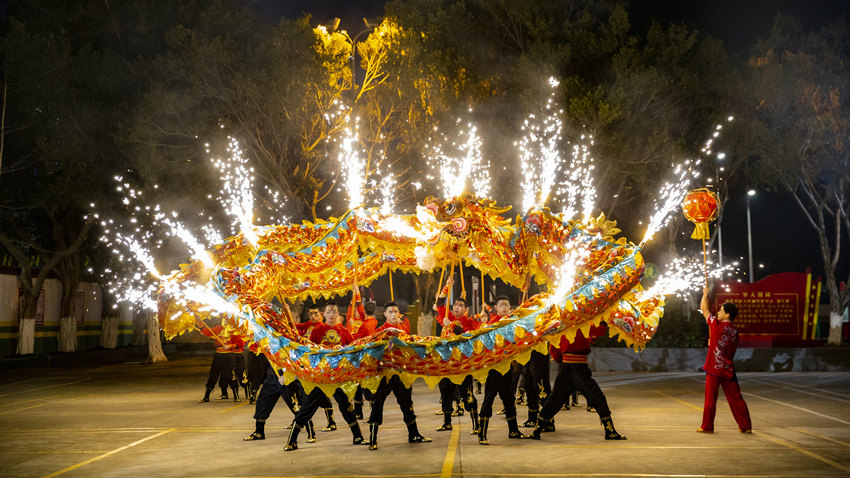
(133, 419)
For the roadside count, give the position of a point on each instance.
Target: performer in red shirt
(573, 373)
(719, 366)
(498, 384)
(331, 334)
(315, 319)
(361, 322)
(404, 395)
(228, 364)
(314, 315)
(456, 322)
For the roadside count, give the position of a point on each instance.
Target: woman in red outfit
(719, 366)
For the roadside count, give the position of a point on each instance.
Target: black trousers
(221, 370)
(272, 390)
(256, 371)
(571, 377)
(498, 384)
(316, 399)
(535, 379)
(403, 395)
(448, 391)
(362, 393)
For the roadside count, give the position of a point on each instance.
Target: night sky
(739, 23)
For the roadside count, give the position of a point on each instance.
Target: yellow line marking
(28, 401)
(449, 462)
(43, 404)
(100, 457)
(671, 397)
(833, 440)
(805, 452)
(81, 452)
(233, 407)
(647, 475)
(645, 447)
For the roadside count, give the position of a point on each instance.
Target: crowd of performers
(326, 327)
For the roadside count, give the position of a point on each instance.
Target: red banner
(780, 307)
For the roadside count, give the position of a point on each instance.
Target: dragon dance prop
(323, 259)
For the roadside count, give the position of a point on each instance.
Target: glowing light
(353, 167)
(669, 199)
(576, 191)
(540, 153)
(568, 271)
(682, 276)
(458, 162)
(146, 228)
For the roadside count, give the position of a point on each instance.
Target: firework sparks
(133, 241)
(353, 168)
(576, 191)
(670, 198)
(540, 153)
(683, 275)
(387, 187)
(569, 271)
(460, 162)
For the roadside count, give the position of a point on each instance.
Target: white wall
(8, 299)
(52, 301)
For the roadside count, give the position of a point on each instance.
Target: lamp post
(750, 193)
(718, 169)
(369, 28)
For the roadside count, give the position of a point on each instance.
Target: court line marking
(81, 452)
(17, 383)
(449, 462)
(671, 397)
(811, 454)
(57, 385)
(28, 401)
(45, 404)
(643, 475)
(109, 453)
(617, 381)
(799, 408)
(643, 447)
(833, 440)
(234, 407)
(799, 389)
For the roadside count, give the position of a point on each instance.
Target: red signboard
(780, 307)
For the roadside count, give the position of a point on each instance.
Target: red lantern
(700, 207)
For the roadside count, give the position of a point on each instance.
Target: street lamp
(718, 170)
(750, 193)
(369, 28)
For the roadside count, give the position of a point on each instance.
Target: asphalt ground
(132, 419)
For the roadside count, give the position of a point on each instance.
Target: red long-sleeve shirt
(577, 350)
(404, 326)
(306, 328)
(328, 336)
(230, 344)
(458, 325)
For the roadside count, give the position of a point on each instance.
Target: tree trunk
(425, 325)
(67, 334)
(109, 332)
(139, 326)
(155, 353)
(834, 328)
(26, 336)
